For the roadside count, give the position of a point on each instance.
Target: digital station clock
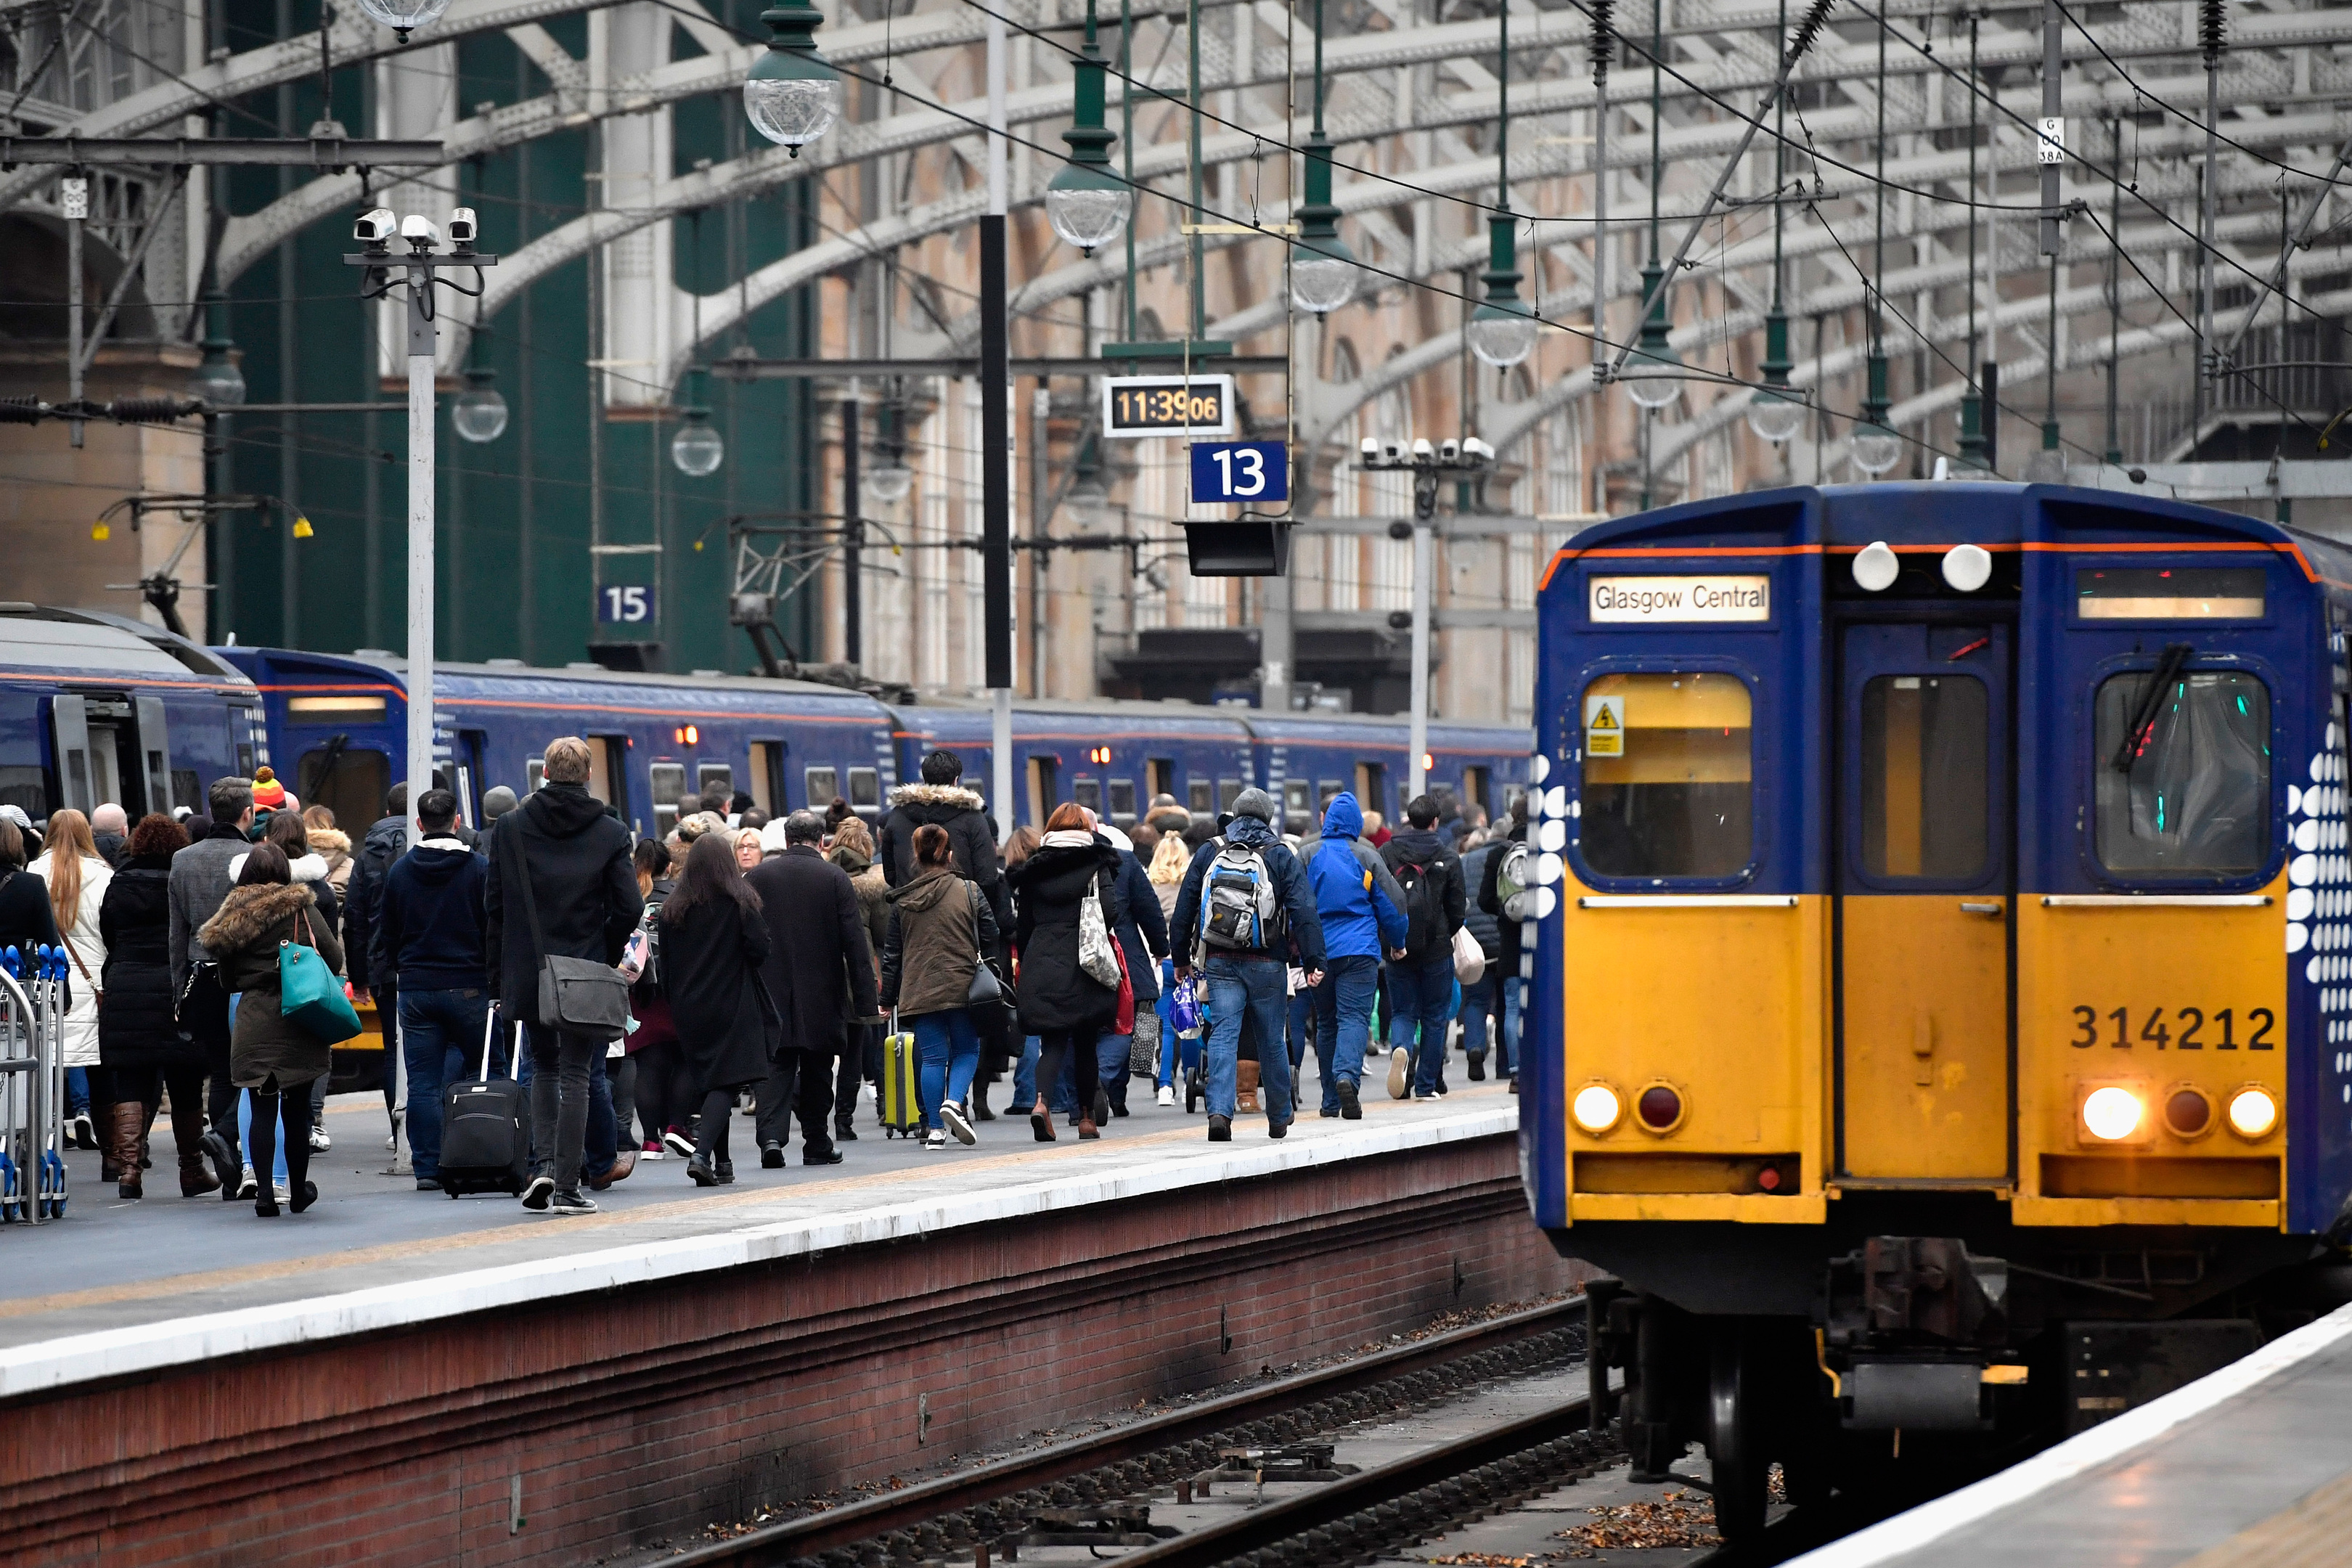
(1136, 406)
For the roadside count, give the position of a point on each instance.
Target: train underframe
(1914, 1341)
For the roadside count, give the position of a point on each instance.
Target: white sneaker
(1400, 1073)
(958, 1123)
(934, 1141)
(320, 1142)
(392, 1143)
(248, 1186)
(1167, 1095)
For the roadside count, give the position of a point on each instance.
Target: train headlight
(2254, 1112)
(1597, 1107)
(2112, 1114)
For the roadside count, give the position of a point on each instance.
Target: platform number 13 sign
(1243, 472)
(624, 604)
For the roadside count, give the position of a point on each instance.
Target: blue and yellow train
(1945, 959)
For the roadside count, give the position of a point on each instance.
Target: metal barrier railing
(32, 1085)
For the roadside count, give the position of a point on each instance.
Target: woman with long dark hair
(1066, 1008)
(140, 1042)
(713, 940)
(269, 1056)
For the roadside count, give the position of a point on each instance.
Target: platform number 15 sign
(1246, 472)
(624, 604)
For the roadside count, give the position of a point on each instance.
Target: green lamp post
(1323, 271)
(792, 96)
(1501, 331)
(1086, 204)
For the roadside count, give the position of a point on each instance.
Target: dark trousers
(560, 1064)
(851, 1070)
(204, 1015)
(799, 1083)
(1060, 1045)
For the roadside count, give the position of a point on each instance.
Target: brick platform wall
(638, 1415)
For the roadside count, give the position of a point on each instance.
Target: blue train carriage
(95, 707)
(1305, 759)
(1942, 961)
(1110, 756)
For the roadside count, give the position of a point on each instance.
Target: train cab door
(1924, 877)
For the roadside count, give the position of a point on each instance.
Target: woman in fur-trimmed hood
(273, 1057)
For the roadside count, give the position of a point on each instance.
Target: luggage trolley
(32, 1085)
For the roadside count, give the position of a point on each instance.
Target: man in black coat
(585, 888)
(1420, 984)
(940, 799)
(820, 970)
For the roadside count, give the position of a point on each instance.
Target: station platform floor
(2250, 1466)
(123, 1288)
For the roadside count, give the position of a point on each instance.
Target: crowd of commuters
(787, 964)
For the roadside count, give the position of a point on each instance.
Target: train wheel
(1740, 1470)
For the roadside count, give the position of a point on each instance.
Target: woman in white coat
(76, 877)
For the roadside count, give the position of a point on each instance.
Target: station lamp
(217, 380)
(1501, 330)
(1086, 204)
(792, 96)
(697, 449)
(1324, 275)
(1874, 445)
(479, 413)
(404, 16)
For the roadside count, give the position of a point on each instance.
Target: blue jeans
(1343, 1020)
(1421, 999)
(77, 1091)
(950, 1050)
(1514, 994)
(1477, 1002)
(1113, 1053)
(1260, 987)
(439, 1032)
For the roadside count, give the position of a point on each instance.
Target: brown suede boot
(196, 1178)
(124, 1120)
(1246, 1085)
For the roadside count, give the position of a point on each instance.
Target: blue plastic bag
(1184, 1009)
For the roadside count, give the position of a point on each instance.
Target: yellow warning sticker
(1604, 726)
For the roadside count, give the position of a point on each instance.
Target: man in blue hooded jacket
(1362, 912)
(1248, 954)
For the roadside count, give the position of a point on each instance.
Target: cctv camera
(1369, 449)
(1449, 450)
(418, 230)
(1421, 449)
(1391, 451)
(461, 227)
(376, 227)
(1477, 452)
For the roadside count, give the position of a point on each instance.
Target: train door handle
(1922, 1047)
(1989, 907)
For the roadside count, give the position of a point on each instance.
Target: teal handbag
(311, 996)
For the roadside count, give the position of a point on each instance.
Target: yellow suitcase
(901, 1091)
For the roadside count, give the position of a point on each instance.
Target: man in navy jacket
(428, 949)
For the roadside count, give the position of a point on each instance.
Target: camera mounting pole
(1427, 465)
(421, 263)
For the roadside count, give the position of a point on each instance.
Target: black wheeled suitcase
(486, 1130)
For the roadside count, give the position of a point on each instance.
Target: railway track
(1077, 1487)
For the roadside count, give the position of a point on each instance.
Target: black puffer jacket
(136, 1028)
(1055, 992)
(950, 807)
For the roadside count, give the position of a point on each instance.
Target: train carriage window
(534, 774)
(1674, 797)
(350, 782)
(2169, 593)
(668, 783)
(1324, 790)
(1926, 758)
(1201, 797)
(1228, 792)
(1295, 801)
(865, 791)
(26, 789)
(1122, 803)
(823, 785)
(2195, 797)
(708, 776)
(187, 789)
(1088, 791)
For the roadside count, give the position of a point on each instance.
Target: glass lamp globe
(1087, 503)
(218, 381)
(1500, 337)
(479, 413)
(1323, 275)
(890, 480)
(697, 448)
(1653, 380)
(1087, 208)
(404, 16)
(1875, 449)
(1775, 416)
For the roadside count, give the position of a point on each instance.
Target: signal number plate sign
(1136, 406)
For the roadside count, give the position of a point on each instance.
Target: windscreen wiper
(2169, 665)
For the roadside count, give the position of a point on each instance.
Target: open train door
(1925, 873)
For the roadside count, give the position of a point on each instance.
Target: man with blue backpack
(1245, 905)
(1361, 908)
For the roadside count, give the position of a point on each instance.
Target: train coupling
(1913, 1332)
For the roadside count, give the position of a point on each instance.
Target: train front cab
(1943, 950)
